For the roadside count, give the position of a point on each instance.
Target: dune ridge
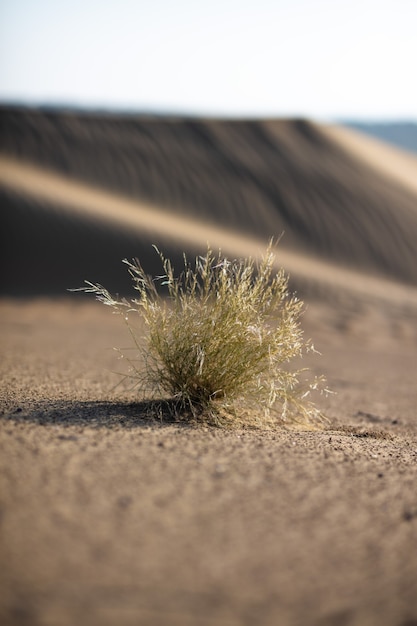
(124, 213)
(235, 184)
(398, 165)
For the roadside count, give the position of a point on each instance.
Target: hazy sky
(324, 59)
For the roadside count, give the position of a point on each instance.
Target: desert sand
(110, 516)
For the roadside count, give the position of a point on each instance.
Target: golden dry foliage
(220, 343)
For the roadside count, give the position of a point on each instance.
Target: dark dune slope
(45, 251)
(260, 178)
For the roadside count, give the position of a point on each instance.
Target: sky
(322, 59)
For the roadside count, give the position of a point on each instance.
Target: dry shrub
(220, 342)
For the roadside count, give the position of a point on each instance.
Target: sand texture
(110, 515)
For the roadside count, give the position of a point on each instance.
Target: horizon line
(89, 108)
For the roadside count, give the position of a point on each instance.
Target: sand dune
(398, 165)
(127, 182)
(189, 233)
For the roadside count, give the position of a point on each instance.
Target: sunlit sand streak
(397, 165)
(72, 196)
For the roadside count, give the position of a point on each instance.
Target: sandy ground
(109, 518)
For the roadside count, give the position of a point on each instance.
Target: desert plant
(219, 342)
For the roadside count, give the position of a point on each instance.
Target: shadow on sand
(100, 414)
